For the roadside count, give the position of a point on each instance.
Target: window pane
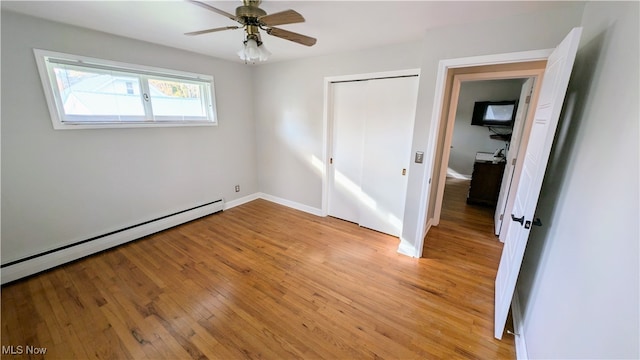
(103, 94)
(178, 99)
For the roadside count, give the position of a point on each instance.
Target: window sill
(129, 125)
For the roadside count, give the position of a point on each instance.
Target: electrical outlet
(237, 188)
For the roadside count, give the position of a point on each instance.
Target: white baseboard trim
(291, 204)
(427, 227)
(47, 261)
(518, 327)
(406, 248)
(243, 200)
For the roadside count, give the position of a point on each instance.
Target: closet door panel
(349, 113)
(387, 139)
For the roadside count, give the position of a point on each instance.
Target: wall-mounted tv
(494, 113)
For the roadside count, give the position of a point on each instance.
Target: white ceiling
(339, 26)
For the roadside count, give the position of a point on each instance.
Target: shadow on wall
(580, 86)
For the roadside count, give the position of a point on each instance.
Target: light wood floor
(264, 281)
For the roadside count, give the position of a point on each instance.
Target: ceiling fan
(253, 19)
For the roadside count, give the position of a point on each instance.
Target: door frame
(526, 98)
(458, 79)
(439, 120)
(323, 165)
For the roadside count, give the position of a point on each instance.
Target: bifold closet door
(372, 133)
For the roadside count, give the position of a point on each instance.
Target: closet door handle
(520, 220)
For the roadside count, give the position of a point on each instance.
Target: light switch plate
(419, 157)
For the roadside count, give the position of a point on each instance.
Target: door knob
(520, 220)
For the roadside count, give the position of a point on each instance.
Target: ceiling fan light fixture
(253, 19)
(253, 51)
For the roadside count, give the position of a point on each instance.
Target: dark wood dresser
(486, 180)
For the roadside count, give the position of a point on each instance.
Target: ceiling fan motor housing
(255, 3)
(250, 12)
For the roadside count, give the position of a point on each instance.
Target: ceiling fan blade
(215, 10)
(212, 30)
(291, 36)
(281, 18)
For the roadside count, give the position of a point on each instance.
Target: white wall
(579, 283)
(468, 139)
(60, 187)
(533, 31)
(289, 105)
(289, 97)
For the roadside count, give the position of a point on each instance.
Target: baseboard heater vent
(33, 264)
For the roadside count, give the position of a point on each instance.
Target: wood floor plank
(264, 281)
(71, 346)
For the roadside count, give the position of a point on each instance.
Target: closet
(371, 133)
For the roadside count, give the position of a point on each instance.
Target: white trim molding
(243, 200)
(291, 204)
(276, 200)
(406, 248)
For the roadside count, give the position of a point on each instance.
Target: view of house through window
(91, 93)
(173, 98)
(86, 93)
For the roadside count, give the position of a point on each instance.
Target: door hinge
(501, 217)
(330, 160)
(528, 100)
(513, 162)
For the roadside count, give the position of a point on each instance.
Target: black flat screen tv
(494, 113)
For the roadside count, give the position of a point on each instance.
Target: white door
(512, 154)
(372, 132)
(349, 111)
(387, 152)
(536, 155)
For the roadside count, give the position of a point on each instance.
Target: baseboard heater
(34, 264)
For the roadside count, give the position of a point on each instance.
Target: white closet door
(372, 132)
(349, 113)
(387, 152)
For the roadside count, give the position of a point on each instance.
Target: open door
(512, 154)
(536, 156)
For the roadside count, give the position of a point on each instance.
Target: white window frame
(62, 122)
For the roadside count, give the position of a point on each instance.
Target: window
(90, 93)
